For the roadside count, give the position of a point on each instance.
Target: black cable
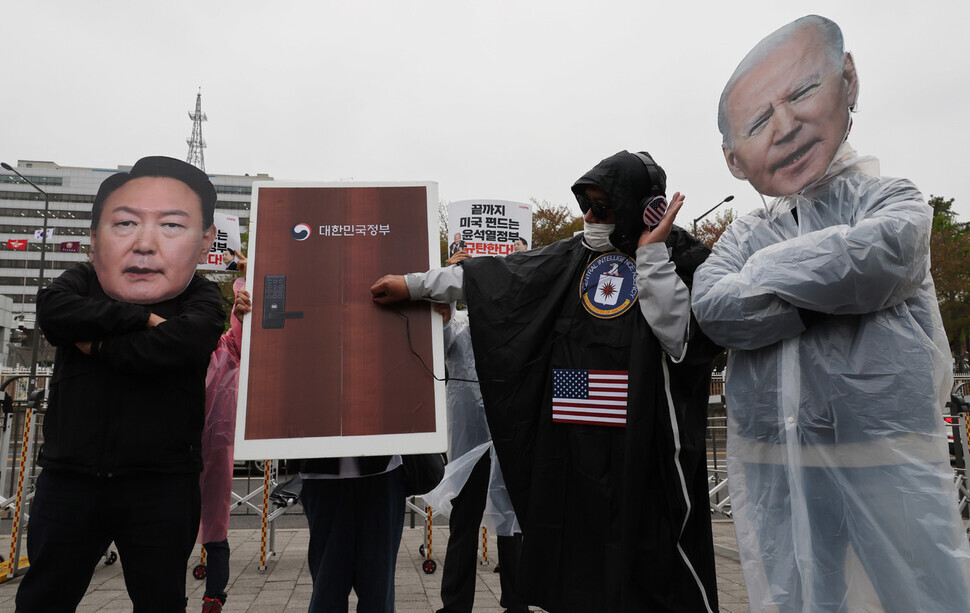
(556, 337)
(407, 328)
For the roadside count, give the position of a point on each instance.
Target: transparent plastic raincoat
(469, 437)
(838, 468)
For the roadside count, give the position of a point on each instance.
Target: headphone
(654, 205)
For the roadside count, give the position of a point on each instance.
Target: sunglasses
(601, 210)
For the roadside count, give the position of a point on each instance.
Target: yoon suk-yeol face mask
(597, 235)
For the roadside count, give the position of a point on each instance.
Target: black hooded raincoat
(614, 519)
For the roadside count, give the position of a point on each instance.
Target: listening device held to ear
(654, 205)
(654, 211)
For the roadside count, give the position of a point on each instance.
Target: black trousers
(461, 557)
(216, 569)
(153, 520)
(355, 532)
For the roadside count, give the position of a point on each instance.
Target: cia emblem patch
(609, 286)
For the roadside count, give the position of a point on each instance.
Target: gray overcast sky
(500, 99)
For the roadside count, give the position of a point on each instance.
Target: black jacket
(137, 403)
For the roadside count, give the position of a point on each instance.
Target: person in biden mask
(839, 474)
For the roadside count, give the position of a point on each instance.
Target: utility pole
(727, 199)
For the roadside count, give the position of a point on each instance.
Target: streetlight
(35, 338)
(728, 199)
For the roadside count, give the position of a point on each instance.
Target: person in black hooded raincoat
(595, 382)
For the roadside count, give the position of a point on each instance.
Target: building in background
(71, 191)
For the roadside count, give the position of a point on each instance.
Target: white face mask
(597, 235)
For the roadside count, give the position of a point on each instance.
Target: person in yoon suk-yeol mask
(134, 331)
(840, 478)
(595, 386)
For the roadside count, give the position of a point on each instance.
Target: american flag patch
(654, 211)
(593, 397)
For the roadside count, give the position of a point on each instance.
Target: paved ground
(285, 584)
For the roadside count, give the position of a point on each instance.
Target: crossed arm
(129, 337)
(746, 299)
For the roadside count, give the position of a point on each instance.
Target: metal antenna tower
(196, 142)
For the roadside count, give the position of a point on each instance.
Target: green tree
(709, 230)
(950, 255)
(552, 222)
